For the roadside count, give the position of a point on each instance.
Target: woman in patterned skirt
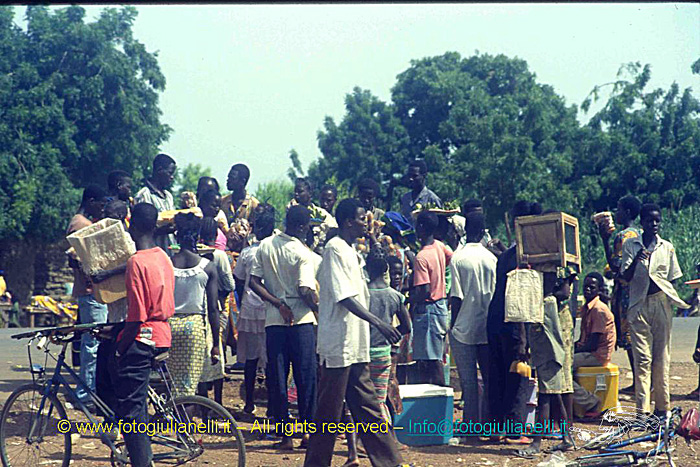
(196, 281)
(213, 373)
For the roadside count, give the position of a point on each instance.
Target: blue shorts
(429, 330)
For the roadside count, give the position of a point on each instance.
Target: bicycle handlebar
(49, 332)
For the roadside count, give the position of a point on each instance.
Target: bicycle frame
(663, 435)
(57, 380)
(182, 447)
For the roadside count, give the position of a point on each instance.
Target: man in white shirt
(343, 345)
(650, 266)
(288, 269)
(473, 282)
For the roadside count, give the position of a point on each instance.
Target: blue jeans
(430, 324)
(466, 357)
(91, 311)
(295, 345)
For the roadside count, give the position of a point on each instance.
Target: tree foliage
(642, 142)
(278, 193)
(370, 141)
(76, 101)
(188, 177)
(487, 129)
(483, 124)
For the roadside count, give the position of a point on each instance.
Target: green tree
(278, 193)
(296, 170)
(188, 177)
(76, 101)
(370, 140)
(488, 129)
(642, 142)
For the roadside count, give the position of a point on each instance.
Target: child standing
(548, 357)
(384, 303)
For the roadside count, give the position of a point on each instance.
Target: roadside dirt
(260, 452)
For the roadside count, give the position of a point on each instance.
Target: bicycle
(33, 420)
(613, 447)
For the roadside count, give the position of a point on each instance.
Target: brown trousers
(353, 385)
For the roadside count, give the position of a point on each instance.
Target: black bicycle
(35, 427)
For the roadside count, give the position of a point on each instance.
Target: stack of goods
(103, 246)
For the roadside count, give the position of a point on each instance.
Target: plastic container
(102, 246)
(530, 413)
(532, 392)
(602, 381)
(427, 415)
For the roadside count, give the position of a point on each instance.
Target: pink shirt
(150, 292)
(429, 268)
(220, 243)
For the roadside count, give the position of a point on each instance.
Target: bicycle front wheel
(207, 434)
(28, 437)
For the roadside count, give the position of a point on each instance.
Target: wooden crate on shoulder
(551, 239)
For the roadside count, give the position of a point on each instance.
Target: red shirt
(429, 268)
(150, 289)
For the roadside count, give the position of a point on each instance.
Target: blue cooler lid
(415, 391)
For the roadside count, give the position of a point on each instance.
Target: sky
(247, 83)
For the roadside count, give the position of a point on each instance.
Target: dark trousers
(132, 372)
(352, 384)
(104, 384)
(295, 345)
(506, 401)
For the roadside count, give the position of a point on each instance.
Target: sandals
(522, 440)
(528, 453)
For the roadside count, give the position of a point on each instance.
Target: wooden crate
(548, 238)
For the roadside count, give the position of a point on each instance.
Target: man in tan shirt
(650, 265)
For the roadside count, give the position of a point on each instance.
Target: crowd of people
(355, 300)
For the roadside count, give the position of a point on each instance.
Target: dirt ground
(260, 453)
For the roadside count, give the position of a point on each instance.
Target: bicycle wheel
(207, 430)
(47, 444)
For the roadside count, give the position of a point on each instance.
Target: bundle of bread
(449, 208)
(168, 217)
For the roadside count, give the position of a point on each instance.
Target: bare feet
(352, 463)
